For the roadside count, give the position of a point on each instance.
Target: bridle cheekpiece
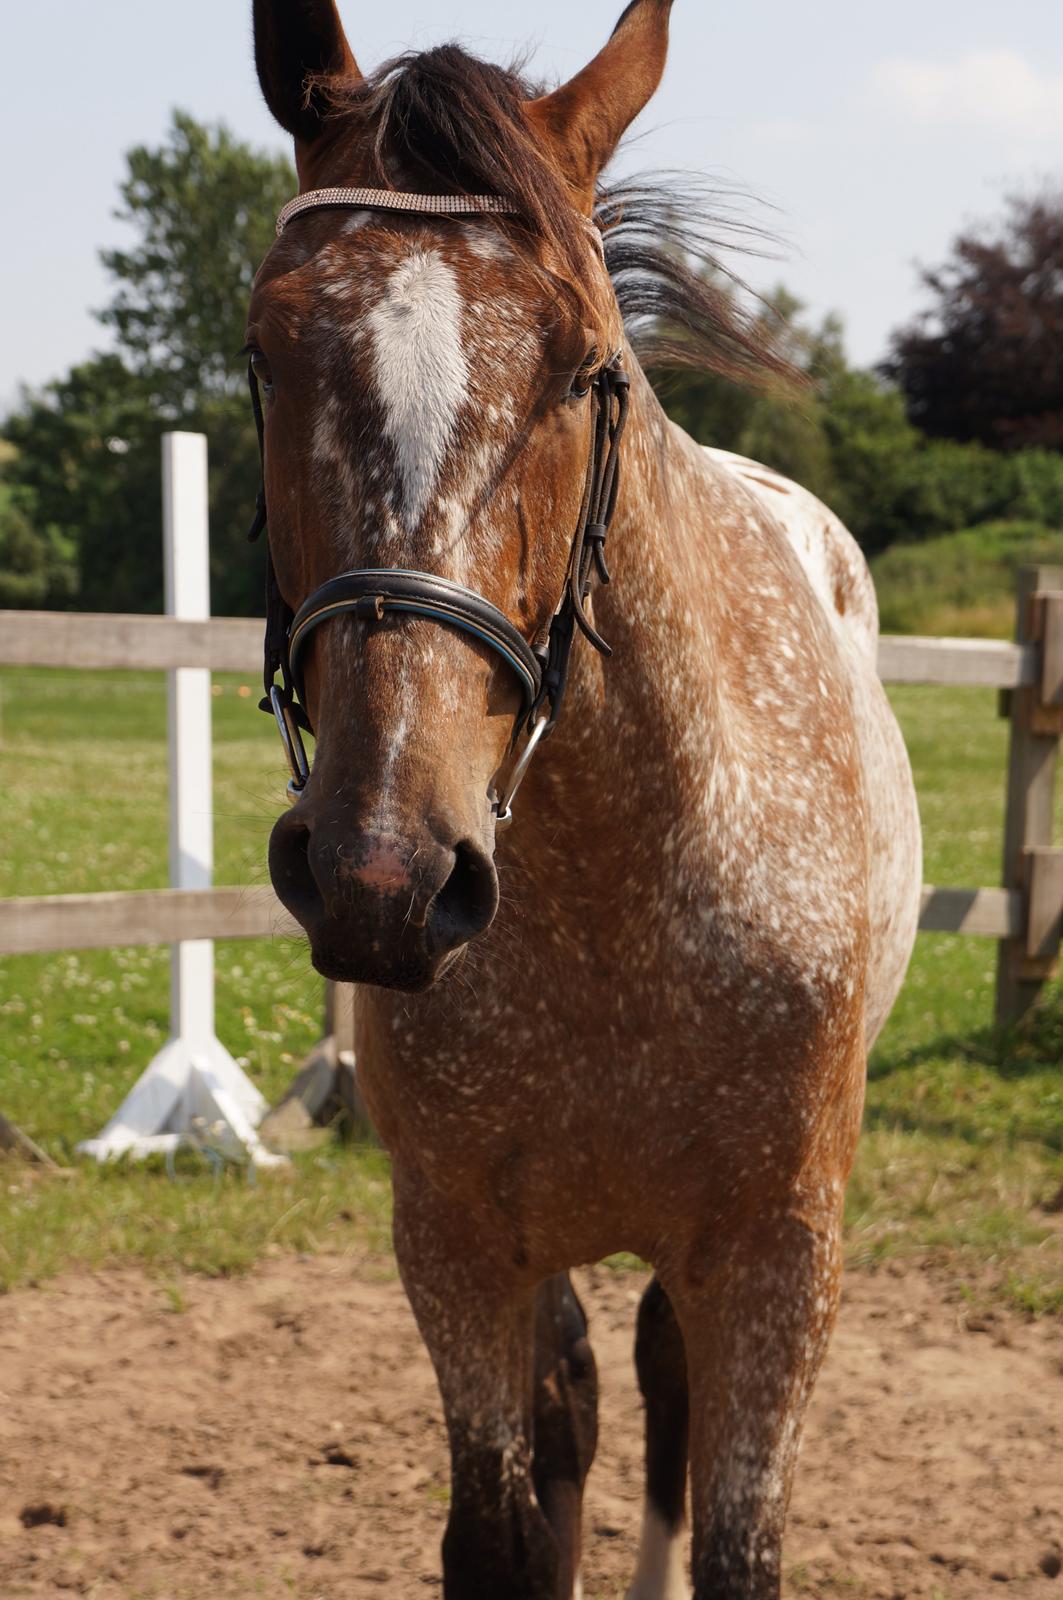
(370, 593)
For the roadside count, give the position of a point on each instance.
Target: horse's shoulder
(831, 558)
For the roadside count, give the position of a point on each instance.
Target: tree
(985, 361)
(88, 453)
(782, 429)
(873, 448)
(203, 207)
(37, 566)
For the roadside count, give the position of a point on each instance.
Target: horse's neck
(633, 723)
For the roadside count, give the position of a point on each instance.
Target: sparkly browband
(440, 205)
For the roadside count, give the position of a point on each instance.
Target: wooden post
(14, 1140)
(1031, 865)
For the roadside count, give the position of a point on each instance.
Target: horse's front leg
(755, 1328)
(477, 1317)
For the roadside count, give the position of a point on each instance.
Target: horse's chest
(569, 1105)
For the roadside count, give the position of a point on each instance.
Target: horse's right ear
(298, 43)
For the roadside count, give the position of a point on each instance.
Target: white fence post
(187, 592)
(193, 1092)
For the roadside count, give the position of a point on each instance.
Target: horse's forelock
(442, 120)
(446, 120)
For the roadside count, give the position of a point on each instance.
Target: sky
(869, 133)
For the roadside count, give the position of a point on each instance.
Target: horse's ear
(586, 118)
(298, 43)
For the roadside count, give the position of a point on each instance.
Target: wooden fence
(1025, 916)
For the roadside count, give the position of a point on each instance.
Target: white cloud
(994, 90)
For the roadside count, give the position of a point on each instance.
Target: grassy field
(963, 1152)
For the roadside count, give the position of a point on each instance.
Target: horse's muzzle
(379, 907)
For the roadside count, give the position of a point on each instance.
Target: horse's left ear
(586, 118)
(299, 43)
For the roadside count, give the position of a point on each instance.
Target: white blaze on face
(420, 371)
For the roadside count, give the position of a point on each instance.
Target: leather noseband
(369, 593)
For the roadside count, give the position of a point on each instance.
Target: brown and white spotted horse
(639, 1019)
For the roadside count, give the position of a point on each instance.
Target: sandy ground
(279, 1435)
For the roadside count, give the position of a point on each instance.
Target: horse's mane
(446, 119)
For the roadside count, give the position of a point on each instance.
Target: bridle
(370, 593)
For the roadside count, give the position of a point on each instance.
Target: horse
(636, 1019)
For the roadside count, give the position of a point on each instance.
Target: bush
(1038, 486)
(962, 583)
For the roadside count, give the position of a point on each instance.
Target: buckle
(292, 740)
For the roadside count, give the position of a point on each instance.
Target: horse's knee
(755, 1336)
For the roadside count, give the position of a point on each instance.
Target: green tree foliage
(962, 582)
(36, 563)
(873, 448)
(850, 440)
(88, 454)
(201, 209)
(985, 361)
(892, 484)
(784, 429)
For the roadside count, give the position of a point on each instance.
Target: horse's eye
(261, 369)
(581, 383)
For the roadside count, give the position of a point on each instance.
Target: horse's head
(430, 408)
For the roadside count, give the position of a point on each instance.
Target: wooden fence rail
(97, 641)
(41, 923)
(1025, 916)
(144, 916)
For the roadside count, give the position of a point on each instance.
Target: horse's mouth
(409, 971)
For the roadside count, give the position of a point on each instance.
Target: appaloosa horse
(658, 1041)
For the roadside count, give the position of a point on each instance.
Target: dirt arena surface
(279, 1435)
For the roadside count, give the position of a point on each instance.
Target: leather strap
(371, 592)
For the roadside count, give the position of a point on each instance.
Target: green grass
(963, 583)
(964, 1132)
(83, 776)
(963, 1141)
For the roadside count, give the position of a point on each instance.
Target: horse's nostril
(290, 869)
(467, 902)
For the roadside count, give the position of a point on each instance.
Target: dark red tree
(985, 361)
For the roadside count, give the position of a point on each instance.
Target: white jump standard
(193, 1091)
